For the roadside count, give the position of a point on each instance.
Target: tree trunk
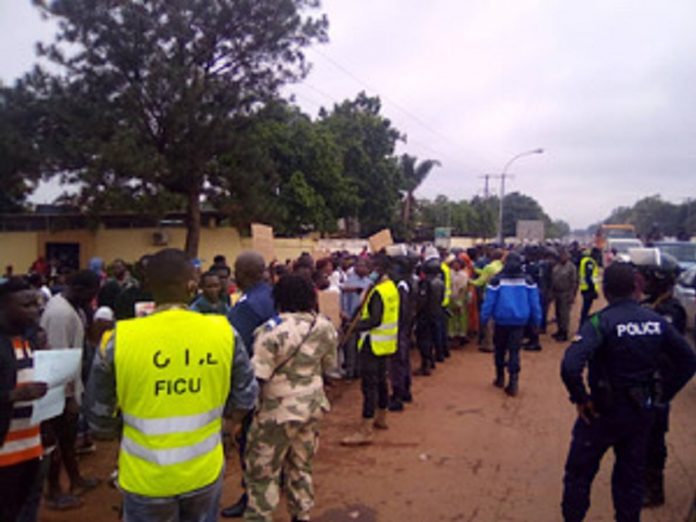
(193, 223)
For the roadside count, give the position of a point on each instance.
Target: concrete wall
(18, 249)
(21, 249)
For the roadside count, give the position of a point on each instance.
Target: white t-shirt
(65, 328)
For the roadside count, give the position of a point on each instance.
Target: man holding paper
(64, 321)
(20, 440)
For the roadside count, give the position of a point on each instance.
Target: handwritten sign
(380, 240)
(330, 306)
(262, 241)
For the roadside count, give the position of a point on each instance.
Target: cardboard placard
(262, 241)
(330, 306)
(380, 240)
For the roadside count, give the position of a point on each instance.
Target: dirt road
(463, 451)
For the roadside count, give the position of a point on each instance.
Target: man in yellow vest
(173, 375)
(379, 329)
(589, 281)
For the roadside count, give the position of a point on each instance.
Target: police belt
(643, 395)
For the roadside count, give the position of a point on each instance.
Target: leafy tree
(20, 118)
(413, 174)
(366, 141)
(652, 214)
(148, 91)
(280, 153)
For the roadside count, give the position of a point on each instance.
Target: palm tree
(413, 174)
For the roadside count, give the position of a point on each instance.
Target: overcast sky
(605, 87)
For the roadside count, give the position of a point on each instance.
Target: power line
(398, 106)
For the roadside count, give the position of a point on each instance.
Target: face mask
(374, 276)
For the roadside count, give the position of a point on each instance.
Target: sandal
(84, 485)
(63, 502)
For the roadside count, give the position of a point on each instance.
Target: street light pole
(503, 176)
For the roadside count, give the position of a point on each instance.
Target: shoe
(381, 420)
(63, 502)
(423, 371)
(396, 404)
(485, 349)
(83, 485)
(439, 358)
(536, 347)
(362, 437)
(499, 381)
(407, 398)
(513, 386)
(236, 510)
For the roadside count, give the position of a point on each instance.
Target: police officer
(431, 289)
(623, 345)
(400, 362)
(174, 375)
(379, 327)
(659, 272)
(589, 282)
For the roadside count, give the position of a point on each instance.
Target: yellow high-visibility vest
(583, 274)
(173, 373)
(447, 271)
(383, 338)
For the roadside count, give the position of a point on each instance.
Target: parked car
(685, 292)
(683, 251)
(617, 249)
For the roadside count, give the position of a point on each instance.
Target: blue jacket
(253, 309)
(512, 299)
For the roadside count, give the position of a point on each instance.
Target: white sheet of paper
(56, 368)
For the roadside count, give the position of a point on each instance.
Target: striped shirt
(23, 440)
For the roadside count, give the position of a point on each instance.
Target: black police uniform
(624, 346)
(675, 314)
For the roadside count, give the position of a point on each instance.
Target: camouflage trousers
(273, 448)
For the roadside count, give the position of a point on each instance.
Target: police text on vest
(639, 329)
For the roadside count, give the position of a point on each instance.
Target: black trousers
(507, 341)
(587, 300)
(375, 390)
(626, 430)
(16, 484)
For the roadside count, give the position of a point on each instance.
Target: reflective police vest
(172, 380)
(383, 338)
(583, 274)
(448, 283)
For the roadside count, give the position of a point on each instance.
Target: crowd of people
(183, 364)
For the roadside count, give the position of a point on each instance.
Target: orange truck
(605, 232)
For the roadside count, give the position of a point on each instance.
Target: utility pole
(486, 178)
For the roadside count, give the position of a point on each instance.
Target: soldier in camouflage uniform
(291, 353)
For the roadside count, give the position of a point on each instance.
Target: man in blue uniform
(624, 346)
(659, 271)
(512, 300)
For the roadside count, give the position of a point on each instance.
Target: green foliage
(366, 141)
(412, 176)
(478, 217)
(20, 122)
(149, 90)
(653, 214)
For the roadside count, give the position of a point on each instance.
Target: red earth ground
(463, 451)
